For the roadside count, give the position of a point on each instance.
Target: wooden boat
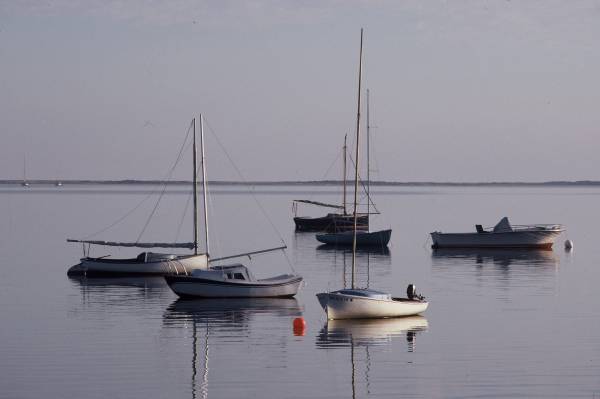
(503, 235)
(227, 281)
(356, 302)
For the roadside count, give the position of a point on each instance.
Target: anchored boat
(355, 303)
(364, 237)
(332, 222)
(146, 263)
(503, 235)
(231, 281)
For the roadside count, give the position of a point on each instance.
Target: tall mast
(356, 160)
(195, 190)
(345, 174)
(368, 160)
(204, 186)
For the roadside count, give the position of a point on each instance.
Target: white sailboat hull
(232, 281)
(190, 286)
(168, 264)
(512, 239)
(340, 306)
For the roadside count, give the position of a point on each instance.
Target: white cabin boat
(503, 235)
(232, 281)
(229, 281)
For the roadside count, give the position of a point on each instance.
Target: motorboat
(502, 235)
(233, 280)
(358, 303)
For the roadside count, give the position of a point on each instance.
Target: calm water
(500, 324)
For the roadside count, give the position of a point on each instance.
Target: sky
(460, 91)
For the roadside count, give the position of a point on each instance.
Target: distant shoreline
(560, 183)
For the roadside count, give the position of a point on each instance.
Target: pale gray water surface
(500, 324)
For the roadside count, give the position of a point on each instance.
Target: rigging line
(362, 184)
(164, 189)
(312, 194)
(185, 209)
(215, 231)
(119, 220)
(244, 180)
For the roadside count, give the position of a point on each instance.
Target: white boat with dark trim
(359, 303)
(146, 263)
(229, 281)
(365, 303)
(232, 281)
(503, 235)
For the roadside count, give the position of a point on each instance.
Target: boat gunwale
(390, 299)
(174, 278)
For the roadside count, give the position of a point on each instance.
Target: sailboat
(332, 222)
(24, 183)
(234, 280)
(364, 237)
(357, 303)
(146, 263)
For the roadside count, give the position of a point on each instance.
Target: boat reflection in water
(367, 332)
(209, 315)
(499, 257)
(125, 292)
(235, 311)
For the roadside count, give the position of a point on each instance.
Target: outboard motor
(411, 293)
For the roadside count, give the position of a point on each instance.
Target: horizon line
(305, 182)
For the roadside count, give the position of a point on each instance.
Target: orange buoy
(299, 326)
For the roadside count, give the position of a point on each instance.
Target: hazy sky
(461, 90)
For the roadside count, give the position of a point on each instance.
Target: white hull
(340, 306)
(512, 239)
(215, 283)
(172, 265)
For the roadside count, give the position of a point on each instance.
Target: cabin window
(229, 276)
(238, 276)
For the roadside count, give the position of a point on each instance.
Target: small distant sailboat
(357, 303)
(358, 232)
(24, 183)
(229, 281)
